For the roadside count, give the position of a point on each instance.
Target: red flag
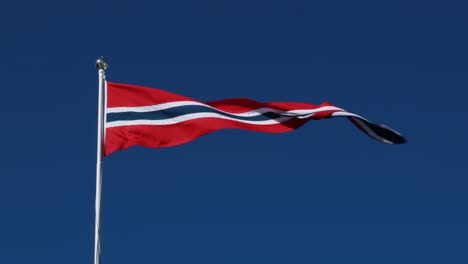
(154, 118)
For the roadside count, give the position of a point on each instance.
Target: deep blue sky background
(325, 193)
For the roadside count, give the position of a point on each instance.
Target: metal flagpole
(102, 65)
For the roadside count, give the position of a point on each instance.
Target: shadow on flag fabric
(148, 117)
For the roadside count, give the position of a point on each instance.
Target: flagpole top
(102, 64)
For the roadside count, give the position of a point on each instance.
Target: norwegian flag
(142, 116)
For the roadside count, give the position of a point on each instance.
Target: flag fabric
(149, 117)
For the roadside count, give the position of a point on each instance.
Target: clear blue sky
(325, 193)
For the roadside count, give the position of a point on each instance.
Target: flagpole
(102, 65)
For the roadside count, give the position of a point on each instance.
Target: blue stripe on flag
(183, 110)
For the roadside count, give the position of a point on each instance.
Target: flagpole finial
(102, 64)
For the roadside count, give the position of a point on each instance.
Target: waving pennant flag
(149, 117)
